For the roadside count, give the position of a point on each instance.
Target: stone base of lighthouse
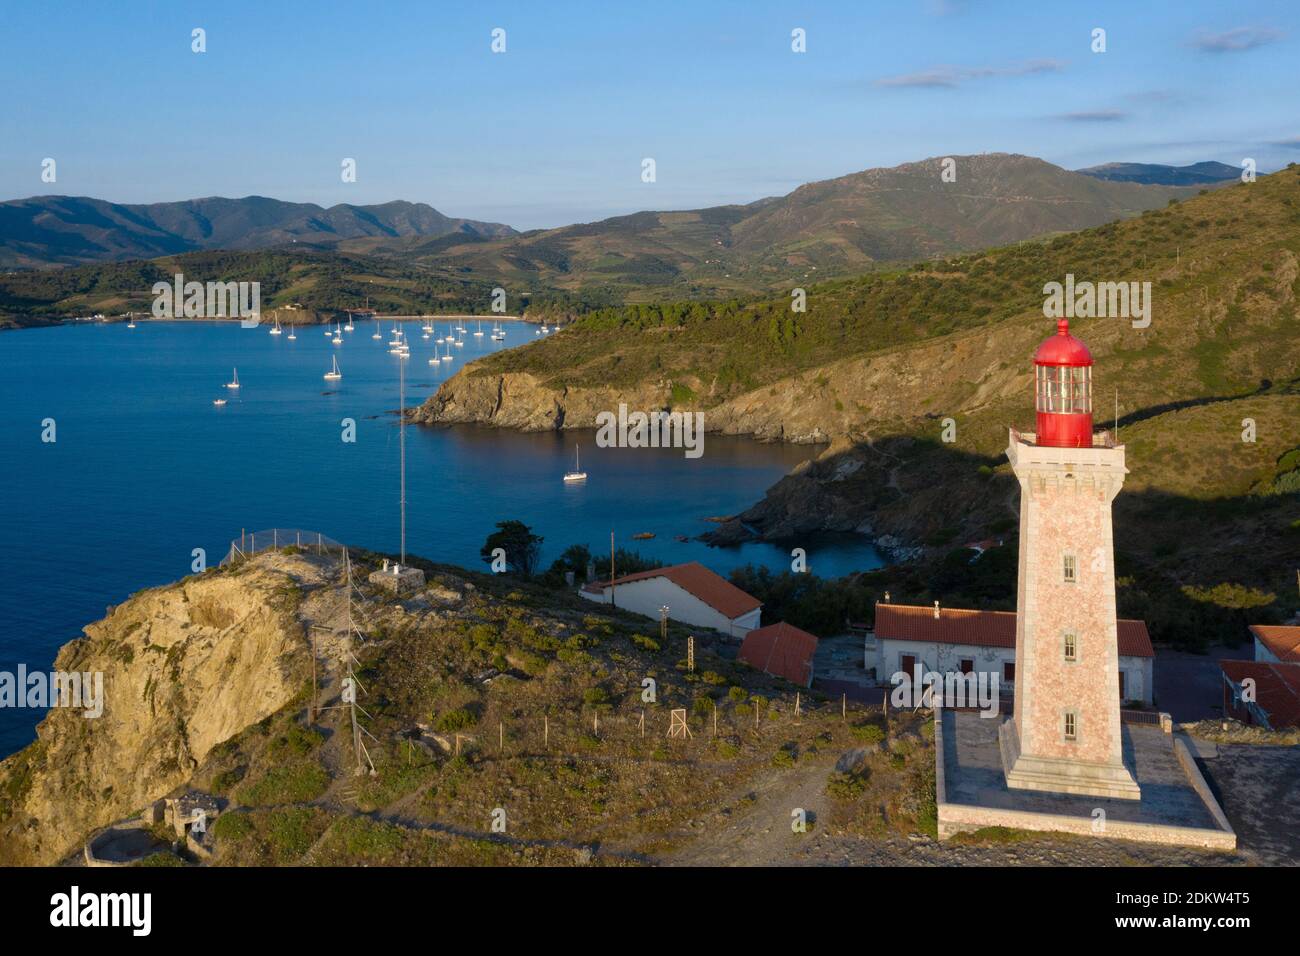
(1058, 775)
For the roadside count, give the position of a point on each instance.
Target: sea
(118, 467)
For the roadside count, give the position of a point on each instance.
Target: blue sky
(554, 130)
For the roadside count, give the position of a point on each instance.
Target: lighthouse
(1065, 734)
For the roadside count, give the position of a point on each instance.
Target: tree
(522, 548)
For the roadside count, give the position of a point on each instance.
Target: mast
(401, 441)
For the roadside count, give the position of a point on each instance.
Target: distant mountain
(836, 227)
(1197, 174)
(70, 230)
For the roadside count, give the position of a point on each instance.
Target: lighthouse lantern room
(1063, 387)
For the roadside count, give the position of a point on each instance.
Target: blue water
(145, 469)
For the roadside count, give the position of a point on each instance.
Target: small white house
(957, 640)
(1277, 644)
(692, 593)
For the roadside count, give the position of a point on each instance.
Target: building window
(967, 665)
(1068, 569)
(1071, 725)
(1009, 671)
(1122, 688)
(1071, 647)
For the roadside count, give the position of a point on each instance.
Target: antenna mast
(401, 441)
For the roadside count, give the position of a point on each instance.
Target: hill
(1197, 174)
(840, 226)
(317, 284)
(43, 231)
(480, 692)
(878, 362)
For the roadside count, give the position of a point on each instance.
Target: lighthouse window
(1068, 569)
(1071, 647)
(1071, 725)
(1064, 390)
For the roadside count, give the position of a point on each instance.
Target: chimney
(886, 597)
(936, 610)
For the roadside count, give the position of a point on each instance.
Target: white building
(948, 640)
(692, 593)
(1277, 644)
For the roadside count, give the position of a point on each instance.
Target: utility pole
(611, 568)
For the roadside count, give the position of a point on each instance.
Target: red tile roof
(906, 622)
(1277, 688)
(1283, 642)
(782, 650)
(693, 577)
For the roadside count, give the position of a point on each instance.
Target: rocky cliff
(185, 667)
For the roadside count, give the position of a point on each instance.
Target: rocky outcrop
(520, 400)
(185, 667)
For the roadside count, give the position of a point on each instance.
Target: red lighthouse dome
(1063, 388)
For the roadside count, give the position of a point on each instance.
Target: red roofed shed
(781, 650)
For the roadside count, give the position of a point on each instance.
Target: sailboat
(577, 474)
(348, 327)
(333, 375)
(498, 333)
(130, 320)
(234, 382)
(378, 331)
(338, 336)
(447, 357)
(218, 401)
(479, 332)
(292, 334)
(275, 330)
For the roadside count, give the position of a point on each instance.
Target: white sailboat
(479, 332)
(349, 326)
(218, 401)
(234, 382)
(130, 320)
(498, 333)
(275, 329)
(378, 331)
(577, 474)
(292, 335)
(333, 375)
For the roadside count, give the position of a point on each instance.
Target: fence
(272, 539)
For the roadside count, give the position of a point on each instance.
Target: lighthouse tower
(1065, 734)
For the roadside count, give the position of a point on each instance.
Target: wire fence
(273, 539)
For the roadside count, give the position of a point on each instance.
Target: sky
(555, 129)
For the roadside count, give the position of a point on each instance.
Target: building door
(907, 664)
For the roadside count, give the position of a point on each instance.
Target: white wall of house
(945, 658)
(1262, 653)
(648, 595)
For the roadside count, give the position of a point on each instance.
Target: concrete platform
(400, 581)
(1176, 805)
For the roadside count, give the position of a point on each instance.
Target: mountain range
(1197, 174)
(842, 226)
(44, 231)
